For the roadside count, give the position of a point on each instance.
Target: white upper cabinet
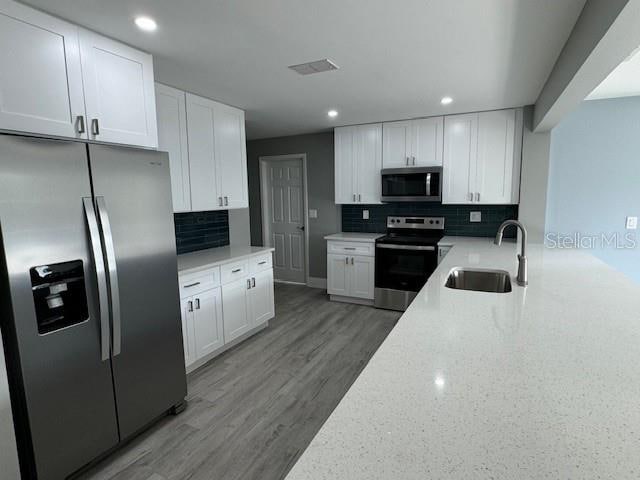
(57, 79)
(482, 155)
(40, 74)
(172, 138)
(119, 91)
(217, 155)
(202, 161)
(413, 143)
(231, 156)
(396, 144)
(358, 160)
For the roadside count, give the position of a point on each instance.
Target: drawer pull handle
(236, 270)
(262, 263)
(349, 248)
(192, 285)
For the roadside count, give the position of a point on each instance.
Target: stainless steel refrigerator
(89, 306)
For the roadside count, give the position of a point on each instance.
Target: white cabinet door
(344, 165)
(260, 298)
(460, 151)
(396, 144)
(231, 156)
(234, 308)
(119, 91)
(361, 277)
(172, 138)
(207, 322)
(40, 73)
(186, 306)
(368, 162)
(495, 162)
(427, 141)
(202, 164)
(337, 275)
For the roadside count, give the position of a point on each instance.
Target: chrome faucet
(521, 279)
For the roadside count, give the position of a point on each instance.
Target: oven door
(411, 184)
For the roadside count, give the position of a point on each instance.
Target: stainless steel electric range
(405, 258)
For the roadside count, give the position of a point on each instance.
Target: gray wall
(319, 150)
(239, 228)
(593, 176)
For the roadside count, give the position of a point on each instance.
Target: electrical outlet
(475, 217)
(632, 223)
(313, 213)
(365, 214)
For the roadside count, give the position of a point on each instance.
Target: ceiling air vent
(324, 65)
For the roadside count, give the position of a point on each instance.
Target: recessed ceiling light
(332, 113)
(446, 100)
(147, 24)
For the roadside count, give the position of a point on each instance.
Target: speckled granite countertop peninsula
(542, 382)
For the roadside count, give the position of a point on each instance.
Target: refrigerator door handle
(110, 253)
(98, 260)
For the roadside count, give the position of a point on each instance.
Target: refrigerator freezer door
(8, 448)
(133, 193)
(66, 387)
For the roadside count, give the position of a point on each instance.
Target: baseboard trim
(317, 282)
(359, 301)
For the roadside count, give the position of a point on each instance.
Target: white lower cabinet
(222, 304)
(350, 275)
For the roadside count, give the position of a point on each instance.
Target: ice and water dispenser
(59, 295)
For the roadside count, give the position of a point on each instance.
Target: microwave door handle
(116, 342)
(98, 261)
(428, 185)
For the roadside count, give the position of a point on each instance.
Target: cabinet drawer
(194, 283)
(352, 248)
(259, 263)
(234, 271)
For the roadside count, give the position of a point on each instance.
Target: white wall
(239, 227)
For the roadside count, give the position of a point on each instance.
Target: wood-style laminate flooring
(253, 410)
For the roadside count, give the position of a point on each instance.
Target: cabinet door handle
(219, 201)
(477, 196)
(248, 284)
(197, 304)
(95, 127)
(351, 260)
(413, 161)
(470, 196)
(226, 201)
(359, 197)
(80, 124)
(346, 260)
(190, 306)
(407, 161)
(354, 197)
(253, 282)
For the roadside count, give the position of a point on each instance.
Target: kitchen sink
(479, 280)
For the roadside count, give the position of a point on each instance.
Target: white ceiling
(396, 58)
(624, 81)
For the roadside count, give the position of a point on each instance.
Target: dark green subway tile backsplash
(456, 217)
(200, 230)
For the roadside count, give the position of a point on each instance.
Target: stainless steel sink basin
(479, 280)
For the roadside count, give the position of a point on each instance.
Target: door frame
(264, 161)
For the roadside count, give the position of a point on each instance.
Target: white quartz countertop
(542, 382)
(354, 237)
(202, 259)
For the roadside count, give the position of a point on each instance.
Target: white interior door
(337, 274)
(285, 216)
(40, 73)
(344, 154)
(460, 151)
(261, 298)
(202, 163)
(119, 91)
(368, 146)
(427, 141)
(234, 308)
(172, 138)
(231, 156)
(207, 322)
(396, 144)
(495, 162)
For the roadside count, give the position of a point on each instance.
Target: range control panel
(422, 223)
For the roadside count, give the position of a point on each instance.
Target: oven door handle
(390, 246)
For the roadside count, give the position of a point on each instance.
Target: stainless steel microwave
(417, 184)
